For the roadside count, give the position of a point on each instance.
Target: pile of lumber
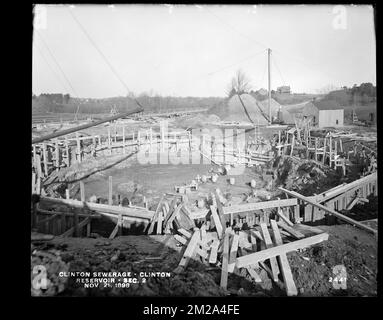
(211, 240)
(170, 215)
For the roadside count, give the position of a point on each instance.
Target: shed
(324, 113)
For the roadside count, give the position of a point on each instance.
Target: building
(284, 89)
(324, 113)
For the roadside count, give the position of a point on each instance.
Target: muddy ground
(312, 268)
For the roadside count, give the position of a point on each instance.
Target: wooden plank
(276, 251)
(220, 210)
(253, 274)
(184, 232)
(173, 215)
(213, 252)
(217, 221)
(233, 253)
(347, 187)
(188, 252)
(110, 190)
(284, 218)
(82, 215)
(180, 239)
(353, 203)
(160, 219)
(291, 288)
(52, 217)
(203, 233)
(202, 253)
(257, 234)
(296, 234)
(102, 208)
(155, 215)
(172, 207)
(33, 183)
(82, 191)
(331, 211)
(296, 214)
(269, 244)
(45, 155)
(80, 225)
(225, 261)
(235, 209)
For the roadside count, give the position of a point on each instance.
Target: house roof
(327, 105)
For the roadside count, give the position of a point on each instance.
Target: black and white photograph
(200, 150)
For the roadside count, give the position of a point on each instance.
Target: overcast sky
(195, 50)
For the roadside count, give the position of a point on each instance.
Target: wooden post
(78, 147)
(57, 156)
(324, 150)
(110, 199)
(109, 144)
(67, 194)
(63, 222)
(123, 140)
(296, 214)
(225, 261)
(33, 183)
(120, 224)
(45, 160)
(335, 147)
(330, 152)
(34, 215)
(316, 149)
(115, 133)
(151, 136)
(88, 228)
(38, 186)
(75, 220)
(82, 191)
(67, 151)
(292, 144)
(34, 154)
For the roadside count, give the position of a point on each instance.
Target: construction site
(249, 198)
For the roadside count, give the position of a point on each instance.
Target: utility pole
(268, 64)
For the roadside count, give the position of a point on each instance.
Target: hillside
(362, 95)
(55, 104)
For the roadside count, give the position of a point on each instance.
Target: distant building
(262, 92)
(324, 113)
(284, 89)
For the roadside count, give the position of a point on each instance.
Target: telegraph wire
(229, 66)
(234, 29)
(56, 62)
(51, 68)
(102, 54)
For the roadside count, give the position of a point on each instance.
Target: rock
(106, 265)
(201, 203)
(94, 235)
(241, 292)
(93, 199)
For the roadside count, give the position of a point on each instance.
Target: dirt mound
(305, 176)
(347, 246)
(198, 121)
(243, 108)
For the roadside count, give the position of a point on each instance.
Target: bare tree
(239, 84)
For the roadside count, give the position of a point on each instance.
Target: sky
(99, 51)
